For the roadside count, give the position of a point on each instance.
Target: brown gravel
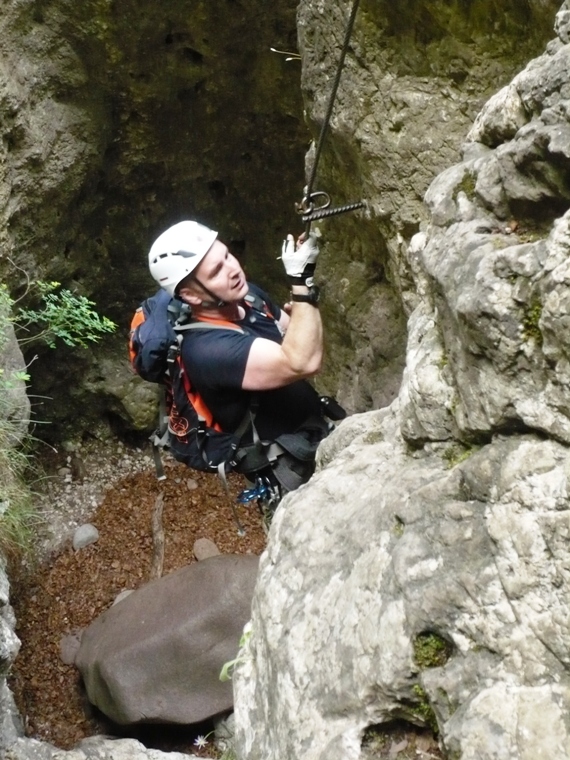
(68, 591)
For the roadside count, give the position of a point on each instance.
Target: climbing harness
(307, 207)
(267, 493)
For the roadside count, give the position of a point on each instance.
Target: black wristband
(311, 297)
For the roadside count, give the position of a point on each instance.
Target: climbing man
(254, 363)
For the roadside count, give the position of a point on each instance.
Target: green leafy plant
(63, 315)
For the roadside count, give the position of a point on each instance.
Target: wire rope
(332, 98)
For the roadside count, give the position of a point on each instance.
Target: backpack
(186, 426)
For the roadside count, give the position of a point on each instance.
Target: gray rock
(224, 729)
(562, 24)
(94, 748)
(157, 656)
(85, 535)
(496, 278)
(473, 551)
(69, 646)
(11, 724)
(461, 537)
(204, 548)
(9, 642)
(15, 405)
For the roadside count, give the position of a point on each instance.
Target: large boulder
(430, 585)
(156, 656)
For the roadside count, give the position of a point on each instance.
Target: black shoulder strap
(256, 302)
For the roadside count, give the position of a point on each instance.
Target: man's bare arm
(271, 365)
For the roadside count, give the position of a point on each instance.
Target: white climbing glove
(300, 260)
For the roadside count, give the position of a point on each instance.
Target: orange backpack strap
(196, 400)
(138, 319)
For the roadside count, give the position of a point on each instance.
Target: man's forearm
(303, 342)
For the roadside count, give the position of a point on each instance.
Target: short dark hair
(184, 283)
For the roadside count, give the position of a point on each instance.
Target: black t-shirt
(215, 361)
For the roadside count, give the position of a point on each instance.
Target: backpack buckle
(172, 353)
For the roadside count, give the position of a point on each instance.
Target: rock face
(14, 401)
(115, 125)
(156, 656)
(423, 572)
(496, 268)
(94, 748)
(384, 550)
(11, 726)
(414, 79)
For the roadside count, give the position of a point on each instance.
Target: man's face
(219, 272)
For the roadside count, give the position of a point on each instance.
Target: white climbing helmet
(178, 251)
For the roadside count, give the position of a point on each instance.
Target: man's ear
(187, 295)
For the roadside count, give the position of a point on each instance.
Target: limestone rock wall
(495, 261)
(383, 549)
(445, 516)
(415, 77)
(11, 724)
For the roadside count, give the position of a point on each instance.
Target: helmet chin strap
(215, 303)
